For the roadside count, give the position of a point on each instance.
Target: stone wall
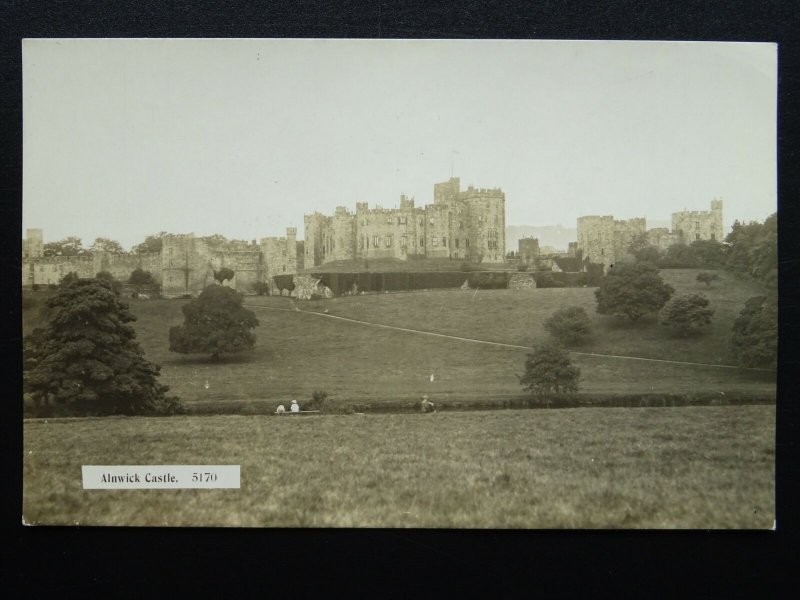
(522, 281)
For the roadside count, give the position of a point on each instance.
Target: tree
(632, 290)
(754, 339)
(679, 256)
(708, 254)
(68, 279)
(69, 246)
(215, 241)
(87, 358)
(214, 323)
(686, 314)
(140, 277)
(753, 249)
(116, 286)
(151, 244)
(568, 324)
(107, 245)
(706, 278)
(224, 274)
(649, 254)
(549, 369)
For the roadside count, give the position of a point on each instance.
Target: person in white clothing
(280, 410)
(295, 407)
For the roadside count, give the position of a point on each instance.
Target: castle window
(435, 241)
(389, 220)
(444, 242)
(431, 221)
(457, 242)
(480, 219)
(697, 236)
(713, 236)
(421, 242)
(283, 253)
(389, 241)
(403, 241)
(375, 241)
(466, 243)
(401, 220)
(284, 268)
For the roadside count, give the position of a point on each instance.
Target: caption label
(159, 477)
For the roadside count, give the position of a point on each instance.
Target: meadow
(693, 467)
(298, 352)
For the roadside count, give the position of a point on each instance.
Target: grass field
(697, 467)
(297, 352)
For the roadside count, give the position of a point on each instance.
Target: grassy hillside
(699, 467)
(298, 352)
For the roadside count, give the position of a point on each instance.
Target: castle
(466, 225)
(605, 240)
(185, 264)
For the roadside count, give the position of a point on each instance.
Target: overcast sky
(125, 138)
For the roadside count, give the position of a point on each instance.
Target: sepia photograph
(363, 283)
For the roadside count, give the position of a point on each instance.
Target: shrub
(522, 267)
(224, 274)
(549, 370)
(317, 402)
(706, 278)
(69, 279)
(214, 323)
(632, 290)
(261, 288)
(568, 324)
(687, 314)
(755, 333)
(140, 277)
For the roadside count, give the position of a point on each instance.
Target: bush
(261, 288)
(687, 314)
(632, 290)
(568, 324)
(706, 278)
(317, 402)
(214, 323)
(549, 370)
(522, 267)
(224, 274)
(140, 277)
(755, 333)
(52, 286)
(69, 279)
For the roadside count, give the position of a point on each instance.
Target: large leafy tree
(754, 339)
(215, 323)
(708, 254)
(549, 370)
(69, 246)
(87, 359)
(753, 249)
(632, 291)
(687, 314)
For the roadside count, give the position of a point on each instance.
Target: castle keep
(466, 225)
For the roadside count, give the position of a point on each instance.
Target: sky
(126, 138)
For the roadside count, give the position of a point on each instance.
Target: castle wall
(528, 249)
(122, 265)
(661, 237)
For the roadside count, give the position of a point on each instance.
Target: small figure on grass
(426, 406)
(295, 408)
(280, 410)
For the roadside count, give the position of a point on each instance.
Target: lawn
(298, 352)
(694, 467)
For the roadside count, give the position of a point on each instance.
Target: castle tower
(291, 249)
(33, 245)
(718, 231)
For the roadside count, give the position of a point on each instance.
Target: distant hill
(556, 236)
